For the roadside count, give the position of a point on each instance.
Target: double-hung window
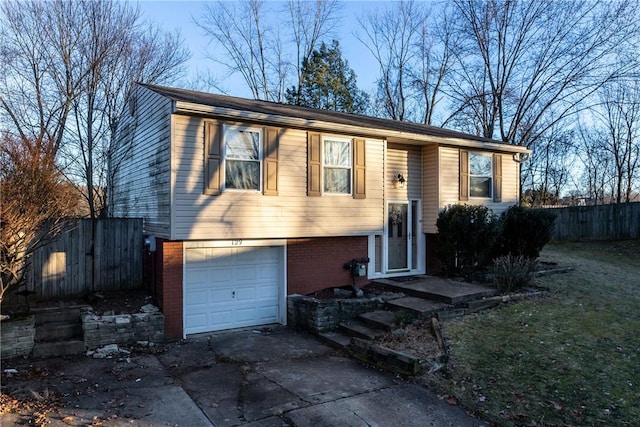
(480, 175)
(336, 165)
(242, 155)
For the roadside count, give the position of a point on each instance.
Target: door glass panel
(414, 234)
(397, 238)
(378, 253)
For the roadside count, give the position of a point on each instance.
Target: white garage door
(231, 287)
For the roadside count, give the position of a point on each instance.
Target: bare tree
(239, 29)
(70, 68)
(33, 201)
(310, 22)
(256, 47)
(526, 66)
(40, 78)
(612, 148)
(547, 173)
(413, 47)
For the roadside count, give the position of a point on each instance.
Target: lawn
(570, 358)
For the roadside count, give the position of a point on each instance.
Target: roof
(191, 101)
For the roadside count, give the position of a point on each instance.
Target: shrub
(525, 231)
(466, 235)
(511, 272)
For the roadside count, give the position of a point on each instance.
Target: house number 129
(236, 243)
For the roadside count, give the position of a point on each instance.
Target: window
(480, 175)
(242, 154)
(336, 165)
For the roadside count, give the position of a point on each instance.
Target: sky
(171, 15)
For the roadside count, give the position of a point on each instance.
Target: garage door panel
(231, 287)
(246, 274)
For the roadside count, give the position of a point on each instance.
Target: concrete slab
(439, 289)
(146, 406)
(215, 390)
(325, 379)
(264, 344)
(274, 378)
(379, 319)
(358, 329)
(403, 405)
(335, 339)
(418, 306)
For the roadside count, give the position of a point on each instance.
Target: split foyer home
(245, 202)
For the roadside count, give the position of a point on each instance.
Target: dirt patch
(416, 339)
(122, 302)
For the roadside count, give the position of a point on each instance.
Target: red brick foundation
(164, 279)
(318, 263)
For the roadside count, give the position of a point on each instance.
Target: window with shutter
(241, 158)
(480, 175)
(336, 165)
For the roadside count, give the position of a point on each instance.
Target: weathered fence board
(600, 222)
(82, 260)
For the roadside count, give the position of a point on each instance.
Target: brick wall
(171, 265)
(163, 278)
(315, 264)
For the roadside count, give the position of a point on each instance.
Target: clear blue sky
(179, 15)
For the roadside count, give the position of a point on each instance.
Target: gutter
(181, 107)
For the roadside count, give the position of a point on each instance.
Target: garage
(233, 287)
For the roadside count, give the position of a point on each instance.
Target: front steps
(58, 331)
(428, 296)
(438, 289)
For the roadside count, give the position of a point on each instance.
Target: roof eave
(182, 107)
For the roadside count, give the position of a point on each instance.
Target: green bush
(511, 272)
(466, 235)
(525, 231)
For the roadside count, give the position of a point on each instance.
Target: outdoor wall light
(399, 181)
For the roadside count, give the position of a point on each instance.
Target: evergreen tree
(328, 83)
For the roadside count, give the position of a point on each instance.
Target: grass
(571, 358)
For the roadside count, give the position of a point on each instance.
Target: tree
(525, 66)
(256, 47)
(33, 202)
(310, 22)
(414, 53)
(547, 172)
(610, 145)
(70, 67)
(328, 83)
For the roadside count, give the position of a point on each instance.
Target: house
(245, 202)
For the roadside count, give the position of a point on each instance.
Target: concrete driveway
(263, 377)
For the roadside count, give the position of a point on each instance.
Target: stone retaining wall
(122, 328)
(17, 337)
(317, 315)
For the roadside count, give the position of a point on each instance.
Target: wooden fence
(84, 260)
(600, 222)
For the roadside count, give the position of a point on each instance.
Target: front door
(399, 236)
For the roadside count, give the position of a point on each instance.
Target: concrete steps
(438, 289)
(356, 328)
(58, 331)
(380, 319)
(417, 307)
(336, 339)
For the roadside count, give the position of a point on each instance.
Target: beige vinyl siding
(407, 161)
(251, 215)
(141, 165)
(449, 182)
(430, 185)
